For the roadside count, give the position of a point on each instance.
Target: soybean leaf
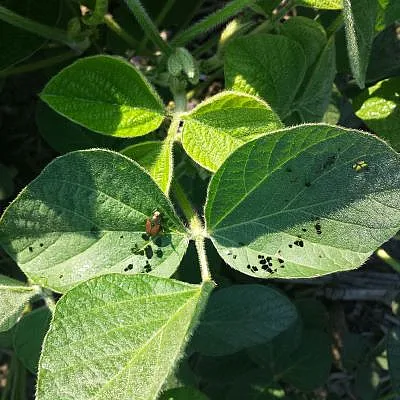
(385, 55)
(222, 369)
(310, 363)
(393, 353)
(321, 4)
(107, 95)
(29, 335)
(313, 313)
(242, 316)
(359, 20)
(274, 354)
(218, 126)
(64, 136)
(14, 295)
(156, 158)
(308, 33)
(183, 393)
(117, 336)
(85, 215)
(379, 107)
(305, 201)
(316, 94)
(270, 66)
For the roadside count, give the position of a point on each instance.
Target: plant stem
(48, 62)
(121, 32)
(42, 30)
(148, 26)
(180, 101)
(199, 241)
(182, 200)
(211, 21)
(157, 22)
(388, 259)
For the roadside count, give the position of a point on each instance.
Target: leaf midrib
(89, 101)
(255, 187)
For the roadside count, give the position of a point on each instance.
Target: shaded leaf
(304, 201)
(29, 335)
(385, 55)
(359, 20)
(308, 33)
(310, 363)
(64, 136)
(14, 295)
(221, 124)
(85, 215)
(117, 336)
(107, 95)
(315, 96)
(242, 316)
(270, 66)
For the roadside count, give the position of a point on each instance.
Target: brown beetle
(153, 225)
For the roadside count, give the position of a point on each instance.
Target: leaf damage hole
(128, 267)
(30, 248)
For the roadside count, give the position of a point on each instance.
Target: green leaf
(393, 353)
(29, 335)
(322, 4)
(242, 316)
(313, 314)
(379, 107)
(315, 97)
(156, 158)
(359, 22)
(117, 336)
(183, 393)
(275, 354)
(107, 95)
(221, 124)
(64, 136)
(305, 201)
(308, 33)
(222, 369)
(310, 364)
(270, 66)
(14, 295)
(85, 215)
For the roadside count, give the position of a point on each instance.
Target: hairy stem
(42, 30)
(199, 240)
(182, 200)
(211, 21)
(121, 32)
(157, 22)
(148, 26)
